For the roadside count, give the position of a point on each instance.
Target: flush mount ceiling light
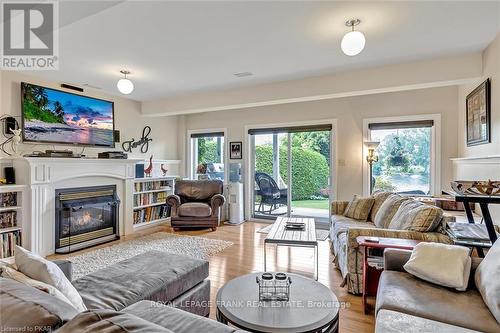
(353, 42)
(125, 86)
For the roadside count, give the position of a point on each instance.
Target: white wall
(349, 112)
(481, 168)
(396, 77)
(128, 119)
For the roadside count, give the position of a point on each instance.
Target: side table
(371, 275)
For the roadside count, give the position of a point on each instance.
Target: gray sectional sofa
(406, 303)
(151, 292)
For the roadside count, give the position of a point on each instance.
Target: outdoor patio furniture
(269, 193)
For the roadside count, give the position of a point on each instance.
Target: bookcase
(12, 202)
(150, 194)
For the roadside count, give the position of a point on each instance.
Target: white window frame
(435, 167)
(191, 150)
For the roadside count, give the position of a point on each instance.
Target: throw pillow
(46, 271)
(387, 210)
(487, 281)
(379, 197)
(442, 264)
(416, 216)
(359, 208)
(10, 273)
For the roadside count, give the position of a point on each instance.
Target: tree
(397, 157)
(318, 141)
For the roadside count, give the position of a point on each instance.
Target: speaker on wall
(10, 175)
(10, 124)
(116, 135)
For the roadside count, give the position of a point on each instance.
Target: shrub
(309, 169)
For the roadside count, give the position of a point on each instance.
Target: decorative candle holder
(274, 287)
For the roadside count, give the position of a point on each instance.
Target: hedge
(309, 169)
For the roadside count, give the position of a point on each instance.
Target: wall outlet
(341, 163)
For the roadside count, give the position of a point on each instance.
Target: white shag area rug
(191, 246)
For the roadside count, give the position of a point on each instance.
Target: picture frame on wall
(236, 150)
(478, 115)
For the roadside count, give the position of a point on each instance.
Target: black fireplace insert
(85, 216)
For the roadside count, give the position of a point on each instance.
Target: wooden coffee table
(280, 235)
(371, 275)
(312, 307)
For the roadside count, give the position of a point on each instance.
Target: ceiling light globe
(125, 86)
(353, 43)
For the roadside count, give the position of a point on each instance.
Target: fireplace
(85, 216)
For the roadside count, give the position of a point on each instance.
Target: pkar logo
(29, 35)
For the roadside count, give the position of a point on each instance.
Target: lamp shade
(372, 144)
(125, 86)
(353, 43)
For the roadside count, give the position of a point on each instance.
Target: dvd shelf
(150, 195)
(11, 222)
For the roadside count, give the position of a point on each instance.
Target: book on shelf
(8, 199)
(152, 185)
(7, 242)
(8, 219)
(149, 214)
(143, 199)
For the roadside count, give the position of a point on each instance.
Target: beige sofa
(407, 304)
(343, 233)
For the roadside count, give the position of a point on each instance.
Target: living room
(250, 166)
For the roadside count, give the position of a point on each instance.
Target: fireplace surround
(85, 216)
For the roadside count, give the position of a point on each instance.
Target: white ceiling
(175, 48)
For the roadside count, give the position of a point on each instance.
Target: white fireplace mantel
(44, 175)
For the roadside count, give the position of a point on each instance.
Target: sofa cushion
(442, 264)
(27, 309)
(176, 320)
(194, 209)
(340, 224)
(402, 292)
(397, 322)
(41, 269)
(416, 216)
(387, 210)
(155, 275)
(487, 279)
(108, 321)
(11, 273)
(359, 208)
(379, 197)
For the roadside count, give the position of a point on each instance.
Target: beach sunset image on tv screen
(55, 116)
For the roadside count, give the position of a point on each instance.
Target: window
(208, 155)
(405, 157)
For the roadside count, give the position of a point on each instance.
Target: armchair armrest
(174, 201)
(216, 202)
(338, 207)
(66, 266)
(395, 259)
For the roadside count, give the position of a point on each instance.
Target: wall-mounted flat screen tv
(57, 117)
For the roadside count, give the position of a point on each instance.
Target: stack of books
(468, 233)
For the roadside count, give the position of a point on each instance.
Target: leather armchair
(196, 203)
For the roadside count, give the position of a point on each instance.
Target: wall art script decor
(478, 115)
(143, 142)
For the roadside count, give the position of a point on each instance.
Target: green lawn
(318, 204)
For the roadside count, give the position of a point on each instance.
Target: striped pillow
(387, 210)
(416, 216)
(379, 197)
(359, 208)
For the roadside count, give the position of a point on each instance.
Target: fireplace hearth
(85, 216)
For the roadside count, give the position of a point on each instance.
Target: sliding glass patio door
(291, 172)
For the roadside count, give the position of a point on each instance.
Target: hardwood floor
(246, 256)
